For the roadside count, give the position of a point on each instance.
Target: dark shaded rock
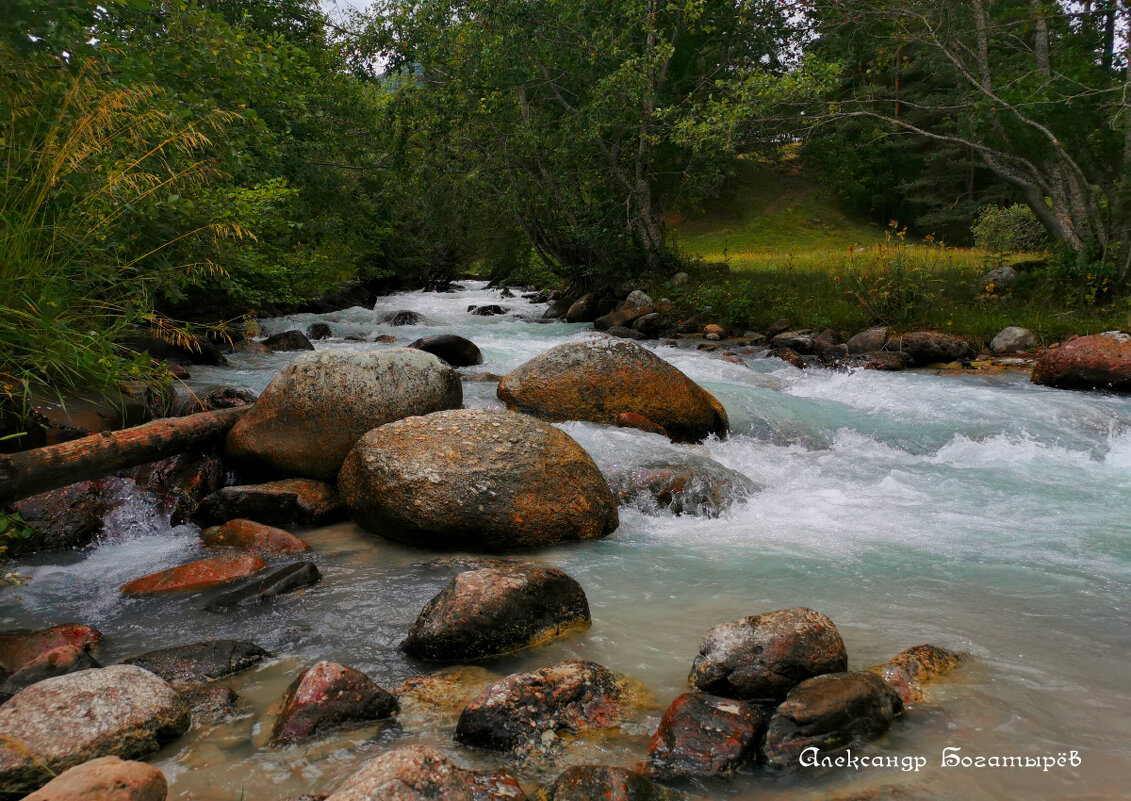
(247, 535)
(620, 332)
(627, 315)
(56, 662)
(320, 404)
(200, 661)
(910, 671)
(347, 296)
(497, 610)
(763, 657)
(600, 783)
(705, 735)
(697, 486)
(419, 773)
(637, 299)
(212, 400)
(53, 725)
(803, 342)
(251, 347)
(182, 481)
(18, 647)
(211, 703)
(583, 310)
(1100, 361)
(278, 582)
(830, 712)
(489, 310)
(404, 317)
(556, 310)
(194, 576)
(929, 347)
(598, 380)
(870, 340)
(105, 779)
(317, 331)
(652, 325)
(51, 420)
(288, 340)
(527, 711)
(777, 327)
(789, 356)
(998, 280)
(826, 341)
(330, 696)
(193, 350)
(886, 360)
(476, 478)
(71, 516)
(639, 422)
(293, 501)
(455, 350)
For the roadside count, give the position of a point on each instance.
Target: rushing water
(978, 513)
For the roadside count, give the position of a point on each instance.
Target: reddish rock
(929, 347)
(419, 773)
(789, 356)
(891, 361)
(1101, 361)
(56, 662)
(20, 646)
(600, 379)
(830, 712)
(711, 328)
(583, 310)
(526, 712)
(385, 338)
(639, 421)
(705, 735)
(626, 315)
(105, 779)
(764, 656)
(497, 610)
(248, 535)
(330, 696)
(908, 672)
(186, 665)
(292, 501)
(601, 783)
(197, 575)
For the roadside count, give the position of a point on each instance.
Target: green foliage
(15, 534)
(891, 290)
(1009, 229)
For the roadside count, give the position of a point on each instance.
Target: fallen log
(31, 472)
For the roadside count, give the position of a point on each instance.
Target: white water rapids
(975, 512)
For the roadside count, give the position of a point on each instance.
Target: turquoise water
(976, 513)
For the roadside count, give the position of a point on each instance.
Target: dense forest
(173, 166)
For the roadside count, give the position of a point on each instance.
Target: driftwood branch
(31, 472)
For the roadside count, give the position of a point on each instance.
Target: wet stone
(278, 582)
(192, 664)
(706, 735)
(330, 696)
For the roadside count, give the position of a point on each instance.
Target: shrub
(1009, 229)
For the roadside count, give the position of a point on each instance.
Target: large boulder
(1014, 339)
(763, 657)
(419, 773)
(705, 735)
(910, 671)
(247, 535)
(694, 485)
(194, 576)
(319, 405)
(56, 662)
(527, 712)
(455, 350)
(121, 710)
(870, 340)
(330, 696)
(268, 587)
(626, 315)
(476, 478)
(1100, 361)
(105, 779)
(18, 647)
(291, 501)
(829, 713)
(598, 380)
(185, 665)
(583, 310)
(601, 783)
(929, 347)
(182, 481)
(71, 516)
(497, 610)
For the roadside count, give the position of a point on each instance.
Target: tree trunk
(1041, 43)
(31, 472)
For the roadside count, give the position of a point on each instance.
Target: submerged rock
(319, 405)
(330, 696)
(277, 582)
(211, 703)
(1100, 361)
(705, 735)
(598, 380)
(105, 779)
(56, 662)
(317, 331)
(495, 611)
(476, 478)
(489, 310)
(184, 665)
(830, 712)
(455, 350)
(194, 576)
(908, 672)
(419, 773)
(443, 693)
(763, 657)
(18, 647)
(527, 712)
(121, 710)
(929, 347)
(695, 485)
(600, 783)
(403, 317)
(288, 340)
(292, 501)
(247, 535)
